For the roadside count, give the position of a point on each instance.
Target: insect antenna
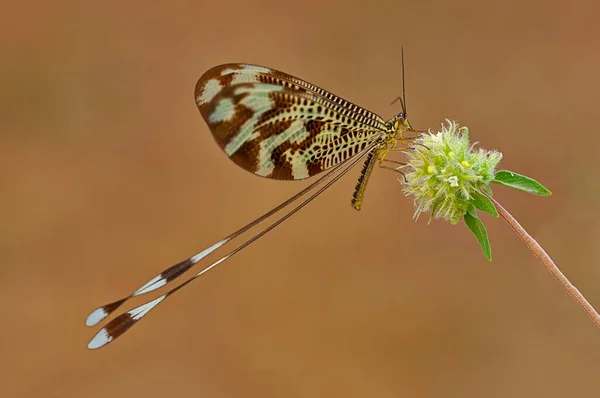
(403, 84)
(403, 98)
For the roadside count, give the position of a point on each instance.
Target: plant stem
(541, 254)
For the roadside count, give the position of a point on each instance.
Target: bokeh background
(109, 175)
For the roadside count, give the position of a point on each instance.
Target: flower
(446, 171)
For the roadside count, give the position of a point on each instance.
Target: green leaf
(487, 189)
(521, 182)
(472, 210)
(478, 229)
(483, 203)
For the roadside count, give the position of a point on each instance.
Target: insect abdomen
(361, 184)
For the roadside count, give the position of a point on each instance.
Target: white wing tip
(96, 316)
(100, 339)
(138, 312)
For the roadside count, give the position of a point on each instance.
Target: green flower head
(446, 171)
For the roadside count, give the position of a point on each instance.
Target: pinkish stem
(548, 263)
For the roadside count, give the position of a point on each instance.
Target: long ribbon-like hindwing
(126, 320)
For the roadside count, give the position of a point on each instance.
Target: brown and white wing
(278, 126)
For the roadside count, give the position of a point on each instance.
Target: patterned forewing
(279, 126)
(226, 75)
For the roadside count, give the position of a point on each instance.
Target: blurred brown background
(109, 174)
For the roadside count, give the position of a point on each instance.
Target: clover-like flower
(447, 172)
(450, 179)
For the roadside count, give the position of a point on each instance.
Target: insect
(281, 127)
